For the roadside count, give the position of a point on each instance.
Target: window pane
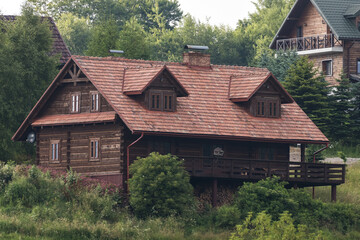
(73, 104)
(92, 149)
(77, 103)
(157, 101)
(52, 151)
(97, 102)
(56, 151)
(270, 109)
(262, 108)
(170, 103)
(358, 66)
(96, 149)
(165, 102)
(275, 109)
(153, 101)
(258, 108)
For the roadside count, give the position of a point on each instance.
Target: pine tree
(310, 91)
(355, 114)
(341, 104)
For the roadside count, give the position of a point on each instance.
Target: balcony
(296, 173)
(327, 43)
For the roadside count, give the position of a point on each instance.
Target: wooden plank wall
(194, 147)
(60, 101)
(111, 148)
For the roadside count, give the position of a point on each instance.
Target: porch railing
(308, 43)
(295, 172)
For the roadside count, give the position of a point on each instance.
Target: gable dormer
(260, 93)
(157, 87)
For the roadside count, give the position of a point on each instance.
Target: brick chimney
(196, 56)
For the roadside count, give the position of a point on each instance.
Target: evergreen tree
(278, 63)
(26, 69)
(310, 91)
(355, 114)
(341, 104)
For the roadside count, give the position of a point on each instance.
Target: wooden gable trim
(75, 72)
(270, 76)
(180, 87)
(19, 134)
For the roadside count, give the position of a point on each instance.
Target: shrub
(159, 186)
(6, 174)
(268, 195)
(227, 216)
(262, 227)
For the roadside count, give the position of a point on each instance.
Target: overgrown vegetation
(37, 203)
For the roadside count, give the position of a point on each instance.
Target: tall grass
(349, 192)
(350, 150)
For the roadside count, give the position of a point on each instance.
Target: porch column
(214, 192)
(333, 193)
(302, 152)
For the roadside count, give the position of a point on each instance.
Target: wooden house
(328, 31)
(227, 122)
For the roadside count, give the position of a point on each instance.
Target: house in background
(229, 123)
(328, 31)
(59, 46)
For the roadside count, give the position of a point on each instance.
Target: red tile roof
(59, 46)
(136, 79)
(206, 111)
(77, 118)
(243, 86)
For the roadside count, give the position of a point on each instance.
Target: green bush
(6, 174)
(268, 195)
(227, 216)
(159, 186)
(262, 227)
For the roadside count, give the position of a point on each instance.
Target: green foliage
(75, 31)
(342, 156)
(268, 195)
(227, 216)
(355, 114)
(26, 69)
(6, 174)
(341, 103)
(262, 227)
(103, 38)
(310, 91)
(133, 40)
(278, 62)
(159, 186)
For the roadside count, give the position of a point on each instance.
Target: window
(299, 32)
(168, 102)
(358, 66)
(75, 102)
(327, 67)
(266, 107)
(94, 149)
(162, 100)
(94, 102)
(260, 108)
(55, 150)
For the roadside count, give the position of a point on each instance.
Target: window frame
(261, 107)
(324, 69)
(75, 108)
(95, 108)
(163, 97)
(94, 153)
(54, 157)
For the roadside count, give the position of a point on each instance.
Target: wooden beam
(302, 152)
(214, 192)
(333, 193)
(292, 19)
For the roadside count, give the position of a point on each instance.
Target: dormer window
(266, 107)
(75, 102)
(162, 100)
(94, 102)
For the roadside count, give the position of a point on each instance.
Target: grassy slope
(346, 193)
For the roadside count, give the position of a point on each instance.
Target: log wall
(75, 149)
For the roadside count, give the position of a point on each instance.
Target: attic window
(162, 100)
(75, 102)
(266, 107)
(94, 102)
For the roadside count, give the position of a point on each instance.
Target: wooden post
(214, 192)
(302, 152)
(333, 193)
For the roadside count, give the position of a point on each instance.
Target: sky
(217, 12)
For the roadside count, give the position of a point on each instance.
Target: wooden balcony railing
(299, 173)
(308, 43)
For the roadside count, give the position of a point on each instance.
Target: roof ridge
(250, 73)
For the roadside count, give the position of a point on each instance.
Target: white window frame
(94, 101)
(75, 102)
(54, 153)
(331, 67)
